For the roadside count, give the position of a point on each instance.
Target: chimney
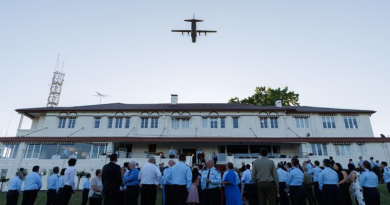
(278, 103)
(174, 99)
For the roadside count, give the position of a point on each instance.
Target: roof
(191, 107)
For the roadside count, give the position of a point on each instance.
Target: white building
(235, 132)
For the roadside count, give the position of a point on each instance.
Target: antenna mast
(56, 85)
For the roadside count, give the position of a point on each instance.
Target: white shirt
(149, 174)
(70, 173)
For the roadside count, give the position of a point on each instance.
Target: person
(264, 173)
(345, 197)
(232, 193)
(193, 194)
(243, 167)
(171, 153)
(294, 183)
(199, 155)
(352, 162)
(215, 158)
(122, 188)
(61, 185)
(52, 187)
(14, 188)
(181, 177)
(331, 161)
(149, 178)
(308, 186)
(69, 183)
(112, 180)
(369, 182)
(130, 180)
(210, 183)
(355, 189)
(288, 166)
(309, 165)
(167, 183)
(372, 162)
(328, 181)
(315, 171)
(361, 161)
(282, 176)
(246, 179)
(86, 187)
(386, 175)
(95, 192)
(32, 185)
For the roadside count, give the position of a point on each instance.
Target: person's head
(136, 164)
(304, 163)
(371, 158)
(243, 163)
(331, 158)
(195, 174)
(171, 163)
(209, 164)
(223, 168)
(351, 167)
(350, 160)
(263, 152)
(366, 165)
(229, 166)
(88, 175)
(56, 170)
(295, 161)
(308, 161)
(360, 157)
(326, 163)
(247, 166)
(152, 160)
(213, 152)
(280, 165)
(383, 164)
(377, 161)
(35, 169)
(113, 158)
(126, 164)
(317, 163)
(19, 174)
(62, 173)
(72, 162)
(123, 170)
(132, 165)
(98, 173)
(289, 165)
(337, 167)
(200, 167)
(182, 157)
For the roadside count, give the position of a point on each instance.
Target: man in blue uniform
(315, 171)
(32, 185)
(210, 183)
(52, 187)
(246, 179)
(294, 183)
(14, 187)
(282, 176)
(86, 187)
(328, 181)
(172, 153)
(361, 161)
(131, 182)
(386, 175)
(168, 183)
(181, 178)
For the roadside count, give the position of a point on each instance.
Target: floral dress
(356, 190)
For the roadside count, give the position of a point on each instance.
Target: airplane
(193, 30)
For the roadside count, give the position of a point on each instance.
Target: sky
(333, 53)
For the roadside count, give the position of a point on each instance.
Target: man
(122, 188)
(372, 162)
(32, 185)
(328, 180)
(308, 186)
(167, 183)
(52, 187)
(162, 168)
(309, 165)
(181, 178)
(149, 178)
(210, 184)
(386, 175)
(112, 180)
(14, 188)
(265, 175)
(131, 182)
(86, 187)
(331, 161)
(294, 183)
(247, 181)
(361, 161)
(171, 153)
(69, 182)
(352, 162)
(243, 167)
(198, 156)
(282, 176)
(215, 158)
(316, 173)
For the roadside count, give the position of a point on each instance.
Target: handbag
(96, 196)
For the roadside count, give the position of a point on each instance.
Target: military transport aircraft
(193, 30)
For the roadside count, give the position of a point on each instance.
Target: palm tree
(3, 180)
(79, 176)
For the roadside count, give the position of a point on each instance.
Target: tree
(267, 96)
(79, 176)
(3, 180)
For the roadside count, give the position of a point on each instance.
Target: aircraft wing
(205, 31)
(182, 31)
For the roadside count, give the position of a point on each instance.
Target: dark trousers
(179, 194)
(148, 194)
(59, 195)
(331, 194)
(371, 196)
(388, 187)
(93, 201)
(284, 200)
(211, 196)
(317, 193)
(66, 195)
(85, 197)
(51, 197)
(171, 156)
(297, 195)
(267, 192)
(112, 199)
(131, 195)
(12, 197)
(248, 193)
(309, 194)
(168, 194)
(121, 198)
(29, 197)
(215, 160)
(255, 194)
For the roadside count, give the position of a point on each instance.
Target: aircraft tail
(193, 20)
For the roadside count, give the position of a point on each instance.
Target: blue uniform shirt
(61, 181)
(282, 175)
(386, 175)
(33, 182)
(180, 174)
(247, 177)
(295, 177)
(316, 173)
(368, 179)
(86, 184)
(15, 184)
(328, 176)
(215, 177)
(309, 167)
(131, 178)
(361, 162)
(53, 182)
(171, 152)
(165, 180)
(372, 163)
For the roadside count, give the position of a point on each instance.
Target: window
(32, 151)
(255, 150)
(185, 123)
(222, 122)
(97, 150)
(204, 122)
(263, 123)
(238, 151)
(10, 151)
(144, 122)
(61, 123)
(175, 123)
(66, 151)
(350, 122)
(72, 122)
(361, 149)
(274, 123)
(343, 150)
(110, 121)
(328, 123)
(49, 151)
(154, 123)
(213, 122)
(127, 122)
(118, 123)
(152, 148)
(97, 123)
(302, 122)
(3, 173)
(319, 149)
(235, 122)
(82, 150)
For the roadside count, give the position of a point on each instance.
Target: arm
(254, 173)
(189, 178)
(118, 175)
(57, 183)
(19, 186)
(275, 175)
(345, 177)
(158, 175)
(321, 181)
(288, 179)
(39, 182)
(353, 176)
(243, 178)
(94, 185)
(72, 182)
(362, 180)
(216, 180)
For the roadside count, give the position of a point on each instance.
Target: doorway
(190, 152)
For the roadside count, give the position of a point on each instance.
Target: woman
(356, 189)
(193, 195)
(95, 192)
(369, 182)
(60, 185)
(232, 192)
(345, 197)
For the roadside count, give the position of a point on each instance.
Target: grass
(76, 198)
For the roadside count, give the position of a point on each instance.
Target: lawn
(76, 198)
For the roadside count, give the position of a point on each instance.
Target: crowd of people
(258, 184)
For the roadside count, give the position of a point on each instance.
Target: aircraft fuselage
(193, 32)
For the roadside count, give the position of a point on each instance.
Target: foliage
(267, 96)
(79, 175)
(3, 180)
